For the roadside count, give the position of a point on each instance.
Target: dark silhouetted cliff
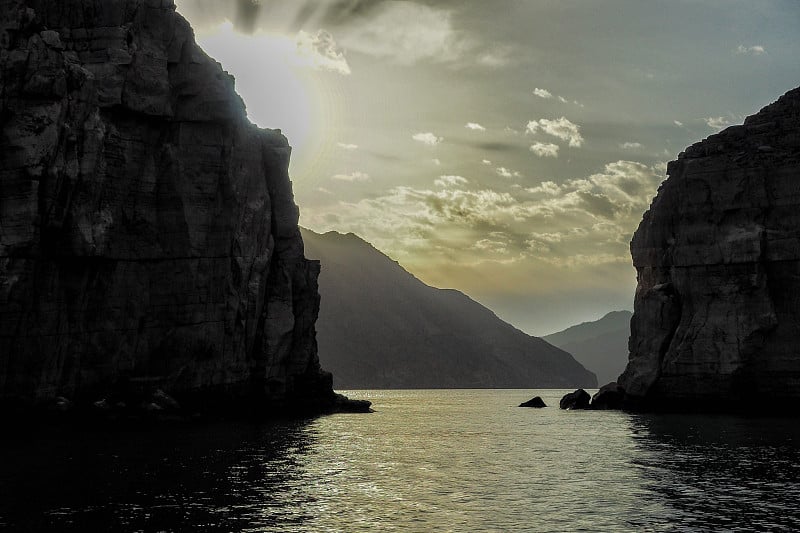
(601, 345)
(148, 233)
(716, 321)
(380, 327)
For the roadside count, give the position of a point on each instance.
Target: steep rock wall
(148, 232)
(716, 320)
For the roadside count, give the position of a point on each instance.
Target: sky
(509, 148)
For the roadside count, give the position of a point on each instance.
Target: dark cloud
(495, 146)
(598, 204)
(336, 12)
(247, 12)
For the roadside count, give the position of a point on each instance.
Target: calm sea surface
(453, 460)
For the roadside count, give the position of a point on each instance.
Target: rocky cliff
(148, 232)
(717, 314)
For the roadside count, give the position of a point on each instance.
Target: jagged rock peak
(148, 232)
(716, 315)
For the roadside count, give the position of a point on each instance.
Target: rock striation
(148, 231)
(717, 315)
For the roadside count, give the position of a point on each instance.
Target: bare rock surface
(578, 399)
(717, 314)
(148, 231)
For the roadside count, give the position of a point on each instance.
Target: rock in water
(716, 317)
(610, 396)
(536, 401)
(148, 232)
(578, 399)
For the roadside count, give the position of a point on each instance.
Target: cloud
(545, 149)
(347, 146)
(755, 50)
(486, 162)
(678, 123)
(450, 181)
(353, 176)
(630, 145)
(499, 56)
(506, 173)
(542, 93)
(427, 138)
(320, 51)
(561, 128)
(436, 161)
(562, 100)
(474, 126)
(549, 188)
(576, 224)
(405, 32)
(717, 123)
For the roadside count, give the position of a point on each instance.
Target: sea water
(425, 460)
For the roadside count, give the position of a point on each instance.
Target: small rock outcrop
(148, 232)
(717, 314)
(536, 402)
(610, 396)
(578, 399)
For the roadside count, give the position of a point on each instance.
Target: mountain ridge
(424, 337)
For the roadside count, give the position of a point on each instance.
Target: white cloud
(496, 57)
(755, 50)
(347, 146)
(427, 138)
(562, 100)
(353, 176)
(579, 223)
(717, 123)
(542, 93)
(323, 190)
(678, 123)
(549, 188)
(406, 32)
(561, 128)
(320, 51)
(545, 149)
(630, 145)
(507, 173)
(450, 181)
(486, 162)
(436, 161)
(474, 126)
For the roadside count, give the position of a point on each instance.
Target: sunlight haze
(506, 149)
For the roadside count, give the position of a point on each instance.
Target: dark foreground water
(425, 461)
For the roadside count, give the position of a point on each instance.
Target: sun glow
(276, 78)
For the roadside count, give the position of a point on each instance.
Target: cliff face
(148, 232)
(717, 316)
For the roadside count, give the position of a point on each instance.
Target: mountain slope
(601, 346)
(380, 327)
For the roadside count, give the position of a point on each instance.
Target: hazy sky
(504, 148)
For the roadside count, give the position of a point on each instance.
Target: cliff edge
(148, 231)
(717, 315)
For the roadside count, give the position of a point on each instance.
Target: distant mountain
(380, 327)
(601, 346)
